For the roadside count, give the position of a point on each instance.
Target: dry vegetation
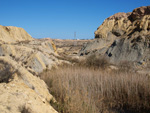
(5, 72)
(24, 109)
(82, 89)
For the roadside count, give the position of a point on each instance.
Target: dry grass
(80, 89)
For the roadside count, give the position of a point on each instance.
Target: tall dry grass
(80, 89)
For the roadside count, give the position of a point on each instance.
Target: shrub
(91, 61)
(126, 66)
(24, 109)
(95, 62)
(5, 72)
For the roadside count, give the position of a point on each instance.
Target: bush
(94, 62)
(24, 109)
(126, 66)
(5, 72)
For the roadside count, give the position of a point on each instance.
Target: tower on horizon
(75, 40)
(74, 35)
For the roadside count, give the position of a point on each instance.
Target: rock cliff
(123, 37)
(22, 58)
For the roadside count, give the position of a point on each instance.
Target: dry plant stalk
(79, 89)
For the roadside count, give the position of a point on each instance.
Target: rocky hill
(35, 55)
(22, 58)
(12, 34)
(123, 37)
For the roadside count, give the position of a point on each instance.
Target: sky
(60, 19)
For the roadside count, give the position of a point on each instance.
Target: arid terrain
(69, 47)
(107, 74)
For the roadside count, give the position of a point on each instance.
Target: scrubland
(91, 87)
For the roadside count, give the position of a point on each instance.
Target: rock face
(138, 13)
(116, 24)
(22, 58)
(123, 37)
(35, 55)
(21, 90)
(133, 46)
(111, 29)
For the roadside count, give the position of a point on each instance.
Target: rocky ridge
(12, 34)
(34, 54)
(123, 37)
(22, 58)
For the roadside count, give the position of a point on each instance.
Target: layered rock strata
(123, 37)
(22, 58)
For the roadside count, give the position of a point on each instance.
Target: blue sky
(61, 18)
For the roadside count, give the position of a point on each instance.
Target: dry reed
(86, 90)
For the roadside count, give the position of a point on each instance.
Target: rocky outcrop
(22, 58)
(135, 49)
(116, 24)
(138, 13)
(11, 34)
(123, 37)
(97, 45)
(133, 45)
(120, 23)
(35, 55)
(111, 29)
(21, 90)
